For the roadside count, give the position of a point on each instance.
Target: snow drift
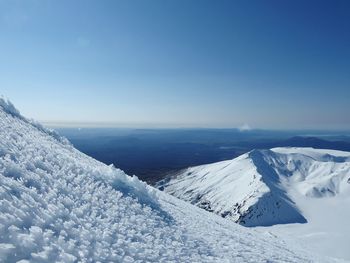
(59, 205)
(256, 188)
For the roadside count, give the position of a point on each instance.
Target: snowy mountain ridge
(256, 189)
(59, 205)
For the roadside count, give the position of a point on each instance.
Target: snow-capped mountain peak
(257, 188)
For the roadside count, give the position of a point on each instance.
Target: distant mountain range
(151, 154)
(304, 141)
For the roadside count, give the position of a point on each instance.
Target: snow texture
(59, 205)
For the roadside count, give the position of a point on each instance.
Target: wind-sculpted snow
(253, 189)
(59, 205)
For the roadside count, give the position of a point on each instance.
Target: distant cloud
(244, 127)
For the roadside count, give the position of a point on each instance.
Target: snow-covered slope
(59, 205)
(255, 189)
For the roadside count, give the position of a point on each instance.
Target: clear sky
(180, 63)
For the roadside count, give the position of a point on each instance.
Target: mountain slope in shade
(59, 205)
(255, 188)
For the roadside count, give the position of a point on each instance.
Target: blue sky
(159, 63)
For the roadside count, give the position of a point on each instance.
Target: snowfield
(277, 187)
(59, 205)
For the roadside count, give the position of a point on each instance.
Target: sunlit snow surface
(277, 187)
(57, 204)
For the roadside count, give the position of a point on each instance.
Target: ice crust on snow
(9, 108)
(254, 189)
(59, 205)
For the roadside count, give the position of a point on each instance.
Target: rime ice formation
(59, 205)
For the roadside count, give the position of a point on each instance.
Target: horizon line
(160, 126)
